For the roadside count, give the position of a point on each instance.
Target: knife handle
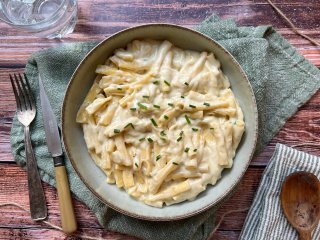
(68, 219)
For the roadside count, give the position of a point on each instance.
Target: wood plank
(300, 131)
(225, 235)
(7, 111)
(100, 19)
(14, 189)
(47, 233)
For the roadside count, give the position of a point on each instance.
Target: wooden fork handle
(68, 219)
(38, 207)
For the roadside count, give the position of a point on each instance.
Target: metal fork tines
(26, 112)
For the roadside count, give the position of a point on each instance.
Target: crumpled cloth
(281, 78)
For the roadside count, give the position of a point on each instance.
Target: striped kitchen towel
(265, 219)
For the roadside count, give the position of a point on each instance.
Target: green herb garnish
(182, 96)
(145, 96)
(186, 149)
(187, 119)
(158, 157)
(133, 109)
(142, 139)
(175, 163)
(192, 106)
(165, 117)
(162, 133)
(156, 82)
(142, 106)
(211, 128)
(136, 165)
(185, 83)
(156, 106)
(116, 130)
(167, 83)
(194, 150)
(154, 122)
(206, 104)
(128, 125)
(150, 140)
(195, 129)
(120, 89)
(179, 139)
(170, 104)
(180, 134)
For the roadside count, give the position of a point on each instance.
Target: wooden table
(100, 18)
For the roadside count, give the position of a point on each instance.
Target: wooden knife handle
(68, 219)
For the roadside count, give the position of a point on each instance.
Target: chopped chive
(192, 106)
(150, 140)
(182, 96)
(170, 104)
(120, 89)
(187, 119)
(156, 106)
(162, 133)
(142, 139)
(116, 130)
(165, 117)
(206, 104)
(136, 164)
(156, 82)
(145, 96)
(158, 157)
(194, 150)
(175, 163)
(167, 83)
(185, 83)
(128, 125)
(180, 134)
(186, 149)
(179, 139)
(195, 129)
(154, 122)
(142, 106)
(211, 128)
(133, 109)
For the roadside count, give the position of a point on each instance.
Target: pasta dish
(161, 122)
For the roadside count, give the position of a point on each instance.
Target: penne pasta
(161, 122)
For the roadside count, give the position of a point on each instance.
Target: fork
(26, 112)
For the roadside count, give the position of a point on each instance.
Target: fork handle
(38, 207)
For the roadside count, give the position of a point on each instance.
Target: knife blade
(50, 124)
(68, 220)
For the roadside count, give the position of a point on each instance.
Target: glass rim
(37, 23)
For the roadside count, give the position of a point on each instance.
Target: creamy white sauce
(177, 132)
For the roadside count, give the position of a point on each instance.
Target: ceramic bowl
(91, 174)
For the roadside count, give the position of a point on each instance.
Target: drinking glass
(43, 18)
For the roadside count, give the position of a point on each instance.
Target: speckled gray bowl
(95, 179)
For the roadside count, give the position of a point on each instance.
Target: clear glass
(43, 18)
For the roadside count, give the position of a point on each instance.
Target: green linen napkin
(281, 78)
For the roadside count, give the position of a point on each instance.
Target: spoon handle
(305, 235)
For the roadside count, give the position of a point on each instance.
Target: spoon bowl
(300, 201)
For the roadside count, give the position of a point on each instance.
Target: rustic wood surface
(101, 18)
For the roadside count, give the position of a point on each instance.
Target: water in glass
(45, 18)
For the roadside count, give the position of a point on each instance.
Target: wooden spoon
(300, 200)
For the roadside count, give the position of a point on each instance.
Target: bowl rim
(185, 215)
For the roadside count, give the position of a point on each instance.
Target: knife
(68, 220)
